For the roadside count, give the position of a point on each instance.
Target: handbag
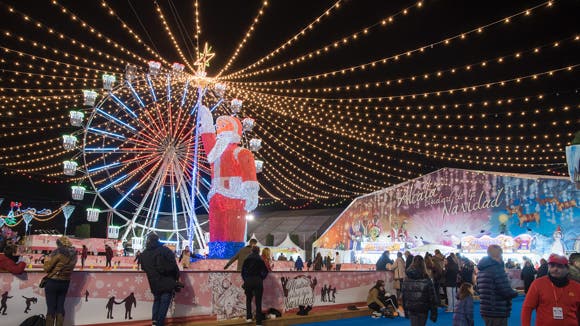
(43, 282)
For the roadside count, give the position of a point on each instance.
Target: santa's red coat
(227, 215)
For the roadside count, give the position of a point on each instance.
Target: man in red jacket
(555, 298)
(6, 263)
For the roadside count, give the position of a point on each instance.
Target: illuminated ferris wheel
(141, 153)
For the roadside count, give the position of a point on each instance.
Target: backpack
(36, 320)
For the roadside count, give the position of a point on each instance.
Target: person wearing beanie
(58, 265)
(555, 298)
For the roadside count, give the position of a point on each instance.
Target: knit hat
(557, 259)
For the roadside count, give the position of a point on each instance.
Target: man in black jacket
(159, 263)
(254, 272)
(495, 291)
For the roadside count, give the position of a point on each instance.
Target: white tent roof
(288, 247)
(258, 244)
(288, 243)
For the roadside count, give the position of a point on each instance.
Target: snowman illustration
(558, 244)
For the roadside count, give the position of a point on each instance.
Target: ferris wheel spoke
(103, 167)
(135, 94)
(123, 105)
(126, 194)
(155, 184)
(152, 128)
(151, 88)
(117, 120)
(106, 133)
(184, 96)
(114, 182)
(190, 216)
(184, 132)
(101, 150)
(168, 82)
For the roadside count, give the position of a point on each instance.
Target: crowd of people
(422, 283)
(552, 290)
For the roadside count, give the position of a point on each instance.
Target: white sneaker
(248, 320)
(377, 314)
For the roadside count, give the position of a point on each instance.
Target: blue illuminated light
(105, 114)
(168, 88)
(103, 167)
(108, 133)
(216, 105)
(123, 105)
(158, 208)
(101, 149)
(113, 183)
(135, 95)
(224, 249)
(151, 88)
(184, 93)
(127, 194)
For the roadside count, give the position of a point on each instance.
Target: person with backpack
(162, 271)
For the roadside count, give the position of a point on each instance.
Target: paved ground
(443, 319)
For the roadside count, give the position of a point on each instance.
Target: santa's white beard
(222, 141)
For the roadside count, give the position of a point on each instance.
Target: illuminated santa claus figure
(234, 189)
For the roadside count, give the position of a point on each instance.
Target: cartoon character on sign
(355, 234)
(28, 302)
(558, 244)
(523, 242)
(228, 301)
(234, 187)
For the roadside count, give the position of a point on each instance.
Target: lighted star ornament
(203, 60)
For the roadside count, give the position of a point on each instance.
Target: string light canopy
(342, 97)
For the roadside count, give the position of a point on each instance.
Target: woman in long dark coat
(528, 275)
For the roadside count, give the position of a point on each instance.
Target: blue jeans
(55, 293)
(161, 304)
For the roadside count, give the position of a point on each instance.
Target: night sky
(370, 95)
